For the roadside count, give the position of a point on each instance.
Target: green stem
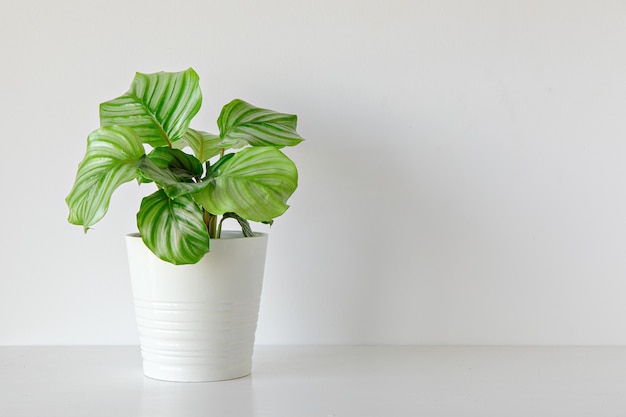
(210, 220)
(213, 227)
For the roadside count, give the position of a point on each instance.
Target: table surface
(346, 381)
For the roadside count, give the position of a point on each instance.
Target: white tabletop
(323, 382)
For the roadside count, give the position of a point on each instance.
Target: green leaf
(215, 169)
(176, 181)
(243, 223)
(241, 124)
(255, 183)
(158, 106)
(173, 184)
(204, 145)
(153, 173)
(183, 165)
(173, 229)
(111, 160)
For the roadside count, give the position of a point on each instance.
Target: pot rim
(226, 234)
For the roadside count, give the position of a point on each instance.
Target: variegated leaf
(241, 124)
(158, 106)
(255, 183)
(168, 179)
(183, 165)
(243, 223)
(151, 172)
(204, 145)
(173, 229)
(111, 160)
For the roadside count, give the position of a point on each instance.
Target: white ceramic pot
(197, 322)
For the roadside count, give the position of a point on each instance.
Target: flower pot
(197, 322)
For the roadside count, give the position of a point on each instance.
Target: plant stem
(213, 226)
(210, 220)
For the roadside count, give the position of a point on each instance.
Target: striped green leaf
(185, 166)
(158, 106)
(243, 223)
(173, 229)
(255, 183)
(111, 160)
(170, 180)
(241, 124)
(150, 172)
(204, 145)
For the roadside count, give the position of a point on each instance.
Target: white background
(463, 180)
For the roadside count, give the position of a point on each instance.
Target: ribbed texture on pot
(196, 341)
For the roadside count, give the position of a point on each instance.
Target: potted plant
(196, 288)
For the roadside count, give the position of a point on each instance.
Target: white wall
(463, 179)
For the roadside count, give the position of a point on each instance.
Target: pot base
(190, 374)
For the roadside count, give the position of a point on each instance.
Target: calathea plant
(239, 173)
